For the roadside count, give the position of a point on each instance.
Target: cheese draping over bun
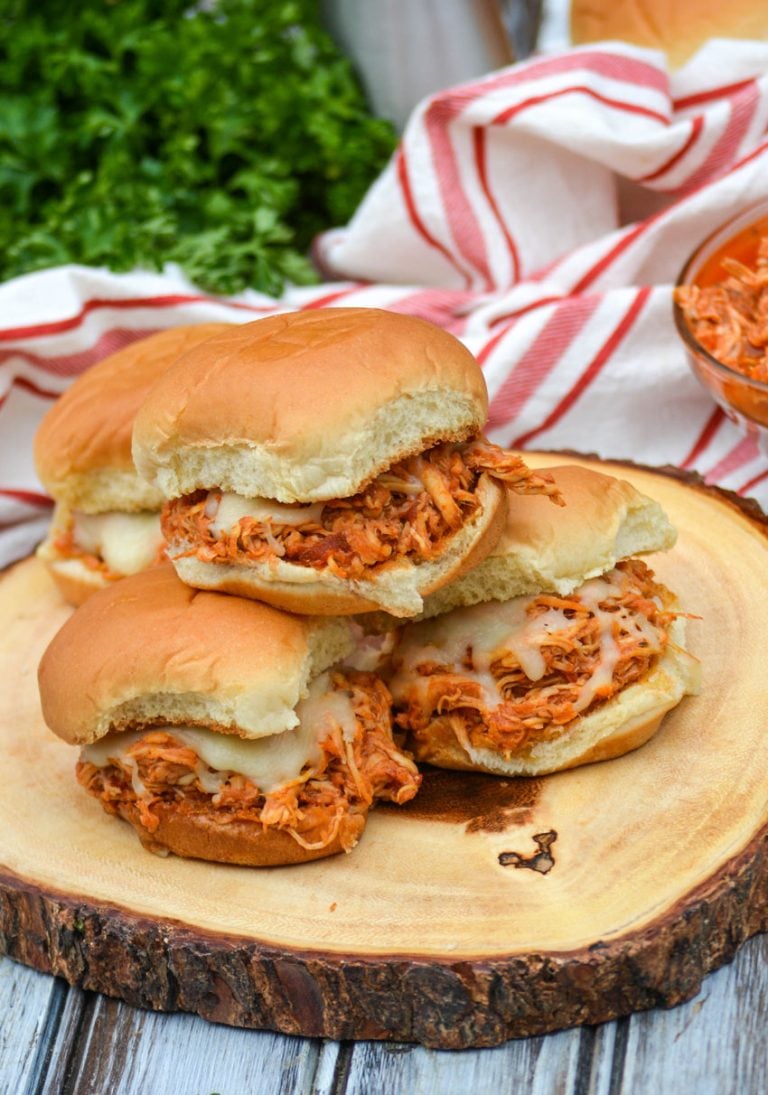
(221, 728)
(559, 649)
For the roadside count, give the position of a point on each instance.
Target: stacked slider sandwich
(221, 728)
(107, 518)
(326, 463)
(329, 464)
(560, 649)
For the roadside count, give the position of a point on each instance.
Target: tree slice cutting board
(487, 909)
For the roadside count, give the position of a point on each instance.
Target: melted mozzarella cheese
(231, 508)
(492, 629)
(268, 762)
(127, 542)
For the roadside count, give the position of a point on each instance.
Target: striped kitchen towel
(541, 214)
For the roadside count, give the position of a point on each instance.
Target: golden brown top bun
(83, 445)
(149, 649)
(307, 406)
(553, 549)
(678, 28)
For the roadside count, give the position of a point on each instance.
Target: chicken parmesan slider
(560, 650)
(107, 519)
(219, 727)
(327, 462)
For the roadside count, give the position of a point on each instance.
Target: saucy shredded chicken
(351, 775)
(408, 511)
(730, 319)
(522, 711)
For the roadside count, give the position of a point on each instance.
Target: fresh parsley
(221, 135)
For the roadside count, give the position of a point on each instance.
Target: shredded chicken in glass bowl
(721, 314)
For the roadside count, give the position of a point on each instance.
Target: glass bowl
(744, 400)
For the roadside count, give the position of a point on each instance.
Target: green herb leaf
(138, 132)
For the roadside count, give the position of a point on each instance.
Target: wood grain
(711, 1046)
(124, 1050)
(421, 934)
(26, 1000)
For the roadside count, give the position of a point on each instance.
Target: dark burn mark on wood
(542, 861)
(483, 803)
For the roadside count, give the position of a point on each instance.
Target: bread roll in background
(83, 445)
(677, 28)
(106, 520)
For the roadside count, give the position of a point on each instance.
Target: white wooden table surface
(62, 1041)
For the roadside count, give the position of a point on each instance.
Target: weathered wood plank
(27, 1002)
(605, 1049)
(57, 1063)
(120, 1048)
(329, 1063)
(713, 1045)
(538, 1066)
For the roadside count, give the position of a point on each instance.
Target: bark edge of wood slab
(163, 966)
(442, 1000)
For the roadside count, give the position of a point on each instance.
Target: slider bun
(83, 445)
(398, 588)
(677, 28)
(75, 581)
(553, 549)
(615, 727)
(201, 836)
(307, 406)
(148, 650)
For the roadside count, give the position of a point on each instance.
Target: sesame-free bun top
(553, 549)
(150, 650)
(307, 406)
(83, 445)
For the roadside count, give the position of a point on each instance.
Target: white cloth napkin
(501, 217)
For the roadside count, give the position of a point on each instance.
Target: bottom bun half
(398, 588)
(201, 836)
(618, 726)
(75, 581)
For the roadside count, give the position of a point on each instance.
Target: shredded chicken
(730, 318)
(348, 779)
(529, 711)
(408, 511)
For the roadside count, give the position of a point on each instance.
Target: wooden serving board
(487, 909)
